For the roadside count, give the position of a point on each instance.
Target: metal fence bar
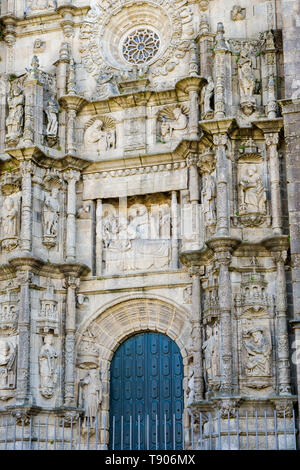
(46, 445)
(39, 434)
(256, 431)
(284, 426)
(228, 430)
(275, 429)
(237, 430)
(247, 430)
(22, 443)
(96, 431)
(210, 432)
(15, 434)
(63, 434)
(266, 430)
(201, 431)
(105, 430)
(219, 430)
(192, 432)
(55, 434)
(6, 434)
(79, 433)
(71, 433)
(294, 430)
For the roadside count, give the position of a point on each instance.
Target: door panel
(146, 389)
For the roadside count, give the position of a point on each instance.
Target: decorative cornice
(269, 125)
(219, 126)
(75, 270)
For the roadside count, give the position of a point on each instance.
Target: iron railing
(253, 430)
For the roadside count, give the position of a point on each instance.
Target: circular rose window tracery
(141, 46)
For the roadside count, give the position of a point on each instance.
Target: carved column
(26, 169)
(10, 22)
(22, 396)
(220, 140)
(223, 248)
(33, 125)
(196, 321)
(272, 141)
(71, 176)
(99, 241)
(281, 320)
(220, 53)
(72, 283)
(72, 104)
(206, 39)
(192, 163)
(62, 69)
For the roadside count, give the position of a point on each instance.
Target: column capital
(71, 175)
(272, 138)
(27, 167)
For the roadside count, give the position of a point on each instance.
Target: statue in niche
(211, 353)
(174, 124)
(9, 218)
(47, 362)
(258, 349)
(92, 391)
(15, 118)
(97, 135)
(190, 391)
(246, 82)
(206, 99)
(8, 354)
(52, 121)
(209, 199)
(106, 84)
(51, 213)
(253, 193)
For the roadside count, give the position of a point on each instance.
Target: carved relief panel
(137, 237)
(100, 135)
(172, 123)
(255, 312)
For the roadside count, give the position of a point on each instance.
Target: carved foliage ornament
(112, 17)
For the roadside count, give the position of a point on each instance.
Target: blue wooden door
(146, 395)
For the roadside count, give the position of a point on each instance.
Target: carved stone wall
(148, 182)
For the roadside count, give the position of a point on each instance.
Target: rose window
(141, 46)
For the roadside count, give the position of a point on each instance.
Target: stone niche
(136, 236)
(99, 136)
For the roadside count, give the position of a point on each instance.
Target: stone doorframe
(113, 323)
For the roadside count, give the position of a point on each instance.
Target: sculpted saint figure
(211, 353)
(9, 218)
(206, 96)
(246, 82)
(253, 193)
(96, 135)
(209, 199)
(47, 362)
(7, 359)
(51, 211)
(179, 124)
(259, 352)
(51, 112)
(15, 118)
(92, 390)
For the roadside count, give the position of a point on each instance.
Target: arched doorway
(146, 394)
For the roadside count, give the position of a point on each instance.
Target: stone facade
(149, 174)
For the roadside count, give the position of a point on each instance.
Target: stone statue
(190, 391)
(238, 13)
(95, 134)
(50, 213)
(174, 124)
(51, 113)
(92, 390)
(211, 353)
(246, 82)
(209, 199)
(15, 118)
(47, 362)
(258, 350)
(7, 364)
(253, 193)
(9, 218)
(206, 98)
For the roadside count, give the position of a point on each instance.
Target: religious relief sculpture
(10, 221)
(209, 195)
(238, 13)
(15, 118)
(212, 356)
(100, 135)
(52, 121)
(51, 211)
(48, 367)
(253, 197)
(207, 95)
(190, 391)
(8, 353)
(258, 348)
(48, 319)
(246, 82)
(129, 243)
(92, 392)
(173, 124)
(34, 5)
